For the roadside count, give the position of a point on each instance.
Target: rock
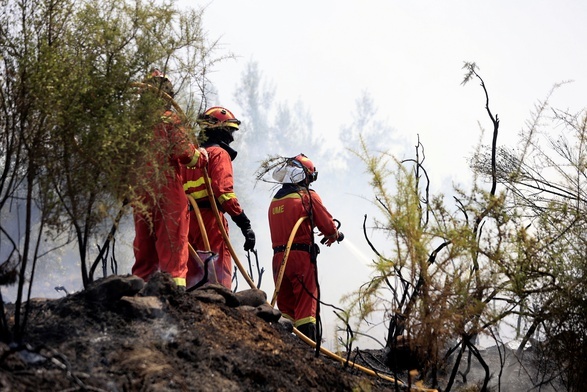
(247, 308)
(113, 287)
(160, 284)
(229, 297)
(268, 313)
(141, 307)
(252, 297)
(210, 297)
(286, 324)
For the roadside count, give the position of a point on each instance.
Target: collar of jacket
(286, 189)
(231, 152)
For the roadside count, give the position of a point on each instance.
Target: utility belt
(312, 249)
(304, 247)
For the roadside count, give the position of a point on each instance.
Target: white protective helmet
(296, 170)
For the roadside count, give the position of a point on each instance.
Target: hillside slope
(123, 335)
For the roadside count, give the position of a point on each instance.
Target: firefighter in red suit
(217, 126)
(161, 215)
(297, 294)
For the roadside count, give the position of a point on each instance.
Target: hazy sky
(408, 55)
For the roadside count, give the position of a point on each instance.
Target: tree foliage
(545, 178)
(74, 126)
(452, 273)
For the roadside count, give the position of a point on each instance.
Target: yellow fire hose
(284, 261)
(307, 340)
(351, 364)
(212, 200)
(207, 247)
(200, 223)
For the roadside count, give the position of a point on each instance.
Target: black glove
(245, 225)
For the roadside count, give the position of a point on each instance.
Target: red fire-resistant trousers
(164, 244)
(298, 285)
(217, 245)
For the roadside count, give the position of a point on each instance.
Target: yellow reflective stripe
(199, 194)
(179, 281)
(305, 320)
(194, 160)
(289, 196)
(204, 193)
(226, 196)
(193, 184)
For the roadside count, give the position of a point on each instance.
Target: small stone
(208, 297)
(230, 298)
(252, 297)
(139, 307)
(113, 287)
(268, 313)
(286, 324)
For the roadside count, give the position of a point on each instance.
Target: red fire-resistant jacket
(221, 177)
(291, 203)
(161, 224)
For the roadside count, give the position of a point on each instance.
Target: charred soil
(123, 335)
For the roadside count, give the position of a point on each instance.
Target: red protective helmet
(309, 168)
(218, 117)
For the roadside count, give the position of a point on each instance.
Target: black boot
(308, 329)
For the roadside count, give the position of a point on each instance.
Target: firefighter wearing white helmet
(297, 294)
(217, 125)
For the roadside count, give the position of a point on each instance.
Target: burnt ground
(123, 335)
